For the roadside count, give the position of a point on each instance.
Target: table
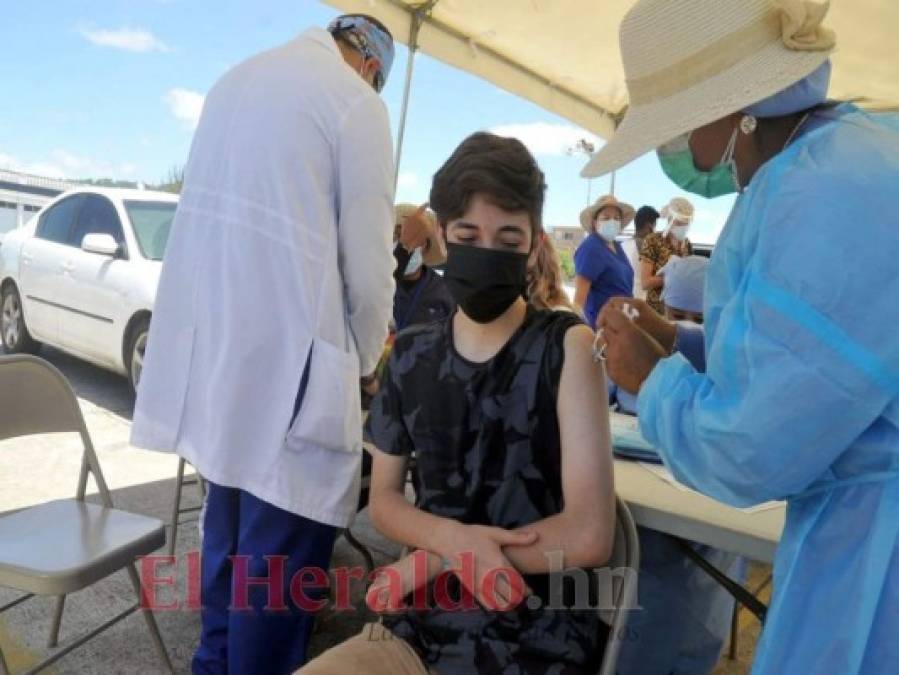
(658, 505)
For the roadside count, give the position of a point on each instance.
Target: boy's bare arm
(584, 530)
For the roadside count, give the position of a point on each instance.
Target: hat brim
(588, 215)
(646, 127)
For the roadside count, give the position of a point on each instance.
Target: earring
(748, 124)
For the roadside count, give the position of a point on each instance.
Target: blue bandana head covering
(684, 282)
(808, 92)
(371, 41)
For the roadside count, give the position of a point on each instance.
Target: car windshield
(152, 222)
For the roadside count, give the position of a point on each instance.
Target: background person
(684, 286)
(602, 269)
(658, 248)
(545, 289)
(274, 297)
(800, 398)
(644, 225)
(421, 294)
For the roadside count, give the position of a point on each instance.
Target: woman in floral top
(658, 247)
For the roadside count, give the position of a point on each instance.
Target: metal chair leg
(151, 622)
(363, 551)
(201, 482)
(57, 621)
(4, 669)
(176, 508)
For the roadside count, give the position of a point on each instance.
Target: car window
(56, 222)
(152, 222)
(98, 216)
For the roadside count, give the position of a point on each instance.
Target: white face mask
(679, 231)
(608, 229)
(414, 263)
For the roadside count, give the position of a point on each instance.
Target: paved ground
(39, 469)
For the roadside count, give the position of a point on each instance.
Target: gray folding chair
(177, 508)
(625, 556)
(63, 546)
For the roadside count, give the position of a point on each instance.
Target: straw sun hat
(435, 253)
(691, 62)
(588, 215)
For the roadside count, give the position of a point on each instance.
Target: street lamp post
(583, 146)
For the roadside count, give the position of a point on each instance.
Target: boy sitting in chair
(506, 412)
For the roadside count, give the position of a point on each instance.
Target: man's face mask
(676, 159)
(415, 263)
(485, 282)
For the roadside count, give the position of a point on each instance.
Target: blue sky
(113, 89)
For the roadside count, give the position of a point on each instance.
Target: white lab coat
(633, 255)
(281, 245)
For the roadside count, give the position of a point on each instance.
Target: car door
(94, 286)
(41, 265)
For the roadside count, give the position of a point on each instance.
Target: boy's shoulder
(553, 320)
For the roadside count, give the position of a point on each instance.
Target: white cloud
(64, 164)
(185, 105)
(127, 39)
(545, 139)
(407, 179)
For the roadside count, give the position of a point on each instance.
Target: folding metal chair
(177, 510)
(626, 556)
(63, 546)
(361, 548)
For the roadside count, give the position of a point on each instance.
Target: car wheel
(137, 348)
(16, 338)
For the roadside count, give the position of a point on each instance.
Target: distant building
(567, 238)
(22, 195)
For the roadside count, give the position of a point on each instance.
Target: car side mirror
(101, 244)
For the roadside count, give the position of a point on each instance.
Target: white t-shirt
(630, 249)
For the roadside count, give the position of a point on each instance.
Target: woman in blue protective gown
(799, 399)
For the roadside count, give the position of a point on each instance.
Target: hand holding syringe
(599, 351)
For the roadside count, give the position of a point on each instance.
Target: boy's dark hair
(646, 215)
(500, 168)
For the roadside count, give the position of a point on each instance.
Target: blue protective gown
(800, 398)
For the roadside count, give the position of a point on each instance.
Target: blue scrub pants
(254, 640)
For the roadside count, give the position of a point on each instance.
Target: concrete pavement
(37, 469)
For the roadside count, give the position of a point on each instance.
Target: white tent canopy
(563, 54)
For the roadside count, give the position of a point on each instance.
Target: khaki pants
(374, 651)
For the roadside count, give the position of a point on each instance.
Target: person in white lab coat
(274, 300)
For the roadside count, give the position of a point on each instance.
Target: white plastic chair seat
(63, 546)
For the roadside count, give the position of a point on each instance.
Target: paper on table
(660, 471)
(664, 474)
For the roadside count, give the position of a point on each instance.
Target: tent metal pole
(403, 111)
(418, 17)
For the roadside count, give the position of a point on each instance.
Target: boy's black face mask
(485, 282)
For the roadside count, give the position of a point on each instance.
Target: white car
(82, 276)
